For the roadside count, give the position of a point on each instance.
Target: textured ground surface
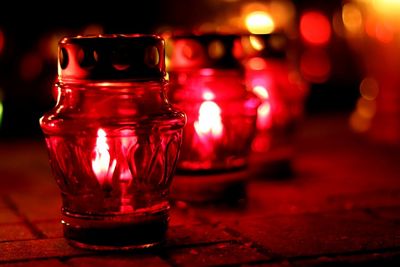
(341, 207)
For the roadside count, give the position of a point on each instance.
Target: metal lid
(111, 57)
(190, 52)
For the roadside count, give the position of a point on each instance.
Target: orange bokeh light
(256, 63)
(260, 22)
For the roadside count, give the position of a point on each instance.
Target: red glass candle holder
(113, 141)
(278, 84)
(207, 83)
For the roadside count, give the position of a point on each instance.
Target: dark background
(28, 58)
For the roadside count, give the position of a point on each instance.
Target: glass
(207, 83)
(272, 76)
(113, 141)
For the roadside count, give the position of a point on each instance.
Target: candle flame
(352, 17)
(209, 122)
(101, 161)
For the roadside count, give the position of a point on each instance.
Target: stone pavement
(341, 207)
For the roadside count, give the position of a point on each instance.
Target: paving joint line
(13, 206)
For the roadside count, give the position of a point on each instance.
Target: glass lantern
(207, 83)
(113, 140)
(273, 77)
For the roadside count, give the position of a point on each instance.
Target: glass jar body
(221, 119)
(282, 92)
(113, 148)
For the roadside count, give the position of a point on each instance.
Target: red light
(2, 41)
(384, 33)
(257, 64)
(315, 28)
(31, 66)
(315, 65)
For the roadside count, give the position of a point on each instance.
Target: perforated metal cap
(202, 51)
(111, 57)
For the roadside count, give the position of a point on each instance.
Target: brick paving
(341, 207)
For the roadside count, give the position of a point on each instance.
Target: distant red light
(315, 28)
(31, 66)
(2, 41)
(384, 33)
(315, 65)
(257, 63)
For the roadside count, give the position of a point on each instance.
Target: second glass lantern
(207, 83)
(272, 75)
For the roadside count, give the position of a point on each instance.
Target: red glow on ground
(315, 28)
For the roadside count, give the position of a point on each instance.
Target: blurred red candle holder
(282, 91)
(207, 83)
(113, 141)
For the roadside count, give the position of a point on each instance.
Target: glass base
(115, 232)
